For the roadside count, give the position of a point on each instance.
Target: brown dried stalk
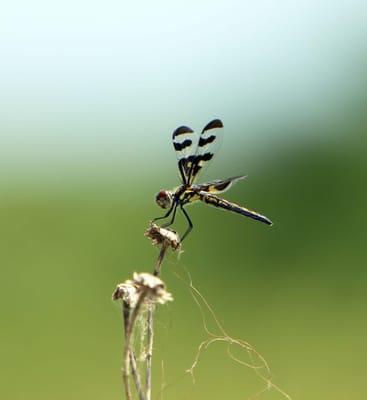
(128, 353)
(165, 238)
(145, 290)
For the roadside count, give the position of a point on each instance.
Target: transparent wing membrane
(219, 186)
(185, 142)
(208, 144)
(195, 151)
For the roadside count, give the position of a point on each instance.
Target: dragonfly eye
(164, 199)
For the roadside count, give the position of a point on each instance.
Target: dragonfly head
(164, 199)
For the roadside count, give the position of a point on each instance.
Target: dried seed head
(127, 292)
(153, 286)
(162, 236)
(148, 280)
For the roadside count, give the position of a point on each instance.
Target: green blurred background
(90, 94)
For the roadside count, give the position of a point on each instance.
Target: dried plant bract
(127, 292)
(154, 287)
(163, 236)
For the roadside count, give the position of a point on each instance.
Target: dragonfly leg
(167, 213)
(173, 217)
(189, 221)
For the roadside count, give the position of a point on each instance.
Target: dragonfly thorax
(179, 191)
(185, 194)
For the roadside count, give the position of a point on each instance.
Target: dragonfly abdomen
(227, 205)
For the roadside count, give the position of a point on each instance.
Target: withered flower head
(153, 286)
(127, 292)
(162, 236)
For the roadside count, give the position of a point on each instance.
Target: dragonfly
(194, 152)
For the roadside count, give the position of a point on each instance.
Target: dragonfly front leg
(173, 216)
(173, 206)
(189, 221)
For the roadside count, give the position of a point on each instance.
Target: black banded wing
(194, 151)
(219, 186)
(209, 141)
(227, 205)
(185, 143)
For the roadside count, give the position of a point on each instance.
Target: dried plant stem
(162, 253)
(125, 369)
(136, 376)
(150, 334)
(150, 329)
(128, 355)
(134, 369)
(143, 291)
(125, 375)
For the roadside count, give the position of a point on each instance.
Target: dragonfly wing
(185, 143)
(220, 186)
(209, 141)
(227, 205)
(195, 151)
